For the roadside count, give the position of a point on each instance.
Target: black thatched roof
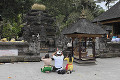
(108, 28)
(112, 13)
(84, 26)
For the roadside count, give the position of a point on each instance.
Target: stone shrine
(39, 32)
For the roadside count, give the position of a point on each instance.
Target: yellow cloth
(70, 67)
(68, 60)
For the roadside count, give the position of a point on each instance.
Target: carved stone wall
(39, 31)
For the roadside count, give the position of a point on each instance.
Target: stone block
(32, 59)
(13, 59)
(5, 60)
(20, 58)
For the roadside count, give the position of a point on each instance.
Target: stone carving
(39, 31)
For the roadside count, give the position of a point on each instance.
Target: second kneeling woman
(69, 66)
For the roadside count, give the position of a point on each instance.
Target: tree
(12, 13)
(11, 30)
(67, 12)
(107, 2)
(10, 9)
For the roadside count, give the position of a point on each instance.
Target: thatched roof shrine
(84, 28)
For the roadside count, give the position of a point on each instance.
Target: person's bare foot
(47, 71)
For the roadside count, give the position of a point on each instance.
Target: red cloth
(67, 66)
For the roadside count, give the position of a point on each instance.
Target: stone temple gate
(39, 31)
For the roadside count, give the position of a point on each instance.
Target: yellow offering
(12, 40)
(4, 40)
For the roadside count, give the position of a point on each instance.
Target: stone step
(44, 48)
(84, 61)
(43, 51)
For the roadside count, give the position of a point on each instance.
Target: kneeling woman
(47, 64)
(69, 66)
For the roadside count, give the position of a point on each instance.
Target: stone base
(10, 59)
(109, 55)
(84, 61)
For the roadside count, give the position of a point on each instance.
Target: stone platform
(22, 47)
(12, 59)
(113, 47)
(16, 52)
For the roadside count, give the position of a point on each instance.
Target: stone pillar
(93, 46)
(72, 47)
(80, 49)
(85, 43)
(97, 45)
(38, 47)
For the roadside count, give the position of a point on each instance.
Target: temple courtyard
(104, 69)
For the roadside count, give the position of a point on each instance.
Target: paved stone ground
(105, 69)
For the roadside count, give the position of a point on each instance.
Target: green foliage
(67, 12)
(12, 13)
(9, 9)
(13, 29)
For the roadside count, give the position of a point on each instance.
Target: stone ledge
(109, 55)
(8, 59)
(32, 59)
(14, 43)
(84, 61)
